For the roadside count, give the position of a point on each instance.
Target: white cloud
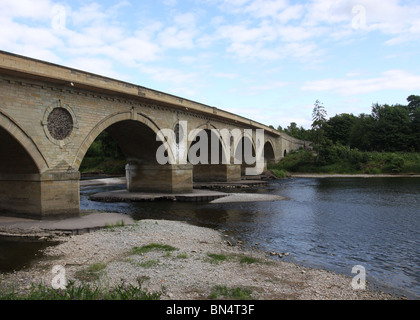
(389, 80)
(26, 9)
(265, 8)
(172, 37)
(291, 13)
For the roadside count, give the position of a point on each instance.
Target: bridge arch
(212, 133)
(269, 154)
(128, 129)
(22, 155)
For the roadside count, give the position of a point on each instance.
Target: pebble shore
(188, 272)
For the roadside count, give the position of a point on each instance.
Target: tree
(362, 132)
(319, 124)
(392, 127)
(414, 109)
(339, 128)
(297, 132)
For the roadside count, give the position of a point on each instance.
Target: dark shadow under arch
(14, 158)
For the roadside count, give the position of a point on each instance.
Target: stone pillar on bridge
(155, 178)
(50, 195)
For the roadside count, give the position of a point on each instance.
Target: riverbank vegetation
(104, 157)
(122, 291)
(342, 160)
(385, 141)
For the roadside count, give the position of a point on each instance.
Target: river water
(329, 223)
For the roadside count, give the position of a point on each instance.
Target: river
(328, 223)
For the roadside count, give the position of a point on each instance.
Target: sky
(267, 60)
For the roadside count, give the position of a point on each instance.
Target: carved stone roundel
(60, 123)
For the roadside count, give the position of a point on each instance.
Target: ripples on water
(327, 223)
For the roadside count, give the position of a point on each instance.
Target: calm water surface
(333, 224)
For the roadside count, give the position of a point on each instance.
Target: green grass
(279, 173)
(83, 292)
(153, 247)
(237, 293)
(216, 258)
(118, 224)
(182, 256)
(92, 273)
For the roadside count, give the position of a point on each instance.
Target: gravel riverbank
(202, 260)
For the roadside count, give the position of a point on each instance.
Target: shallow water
(17, 254)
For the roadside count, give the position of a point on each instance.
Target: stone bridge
(50, 115)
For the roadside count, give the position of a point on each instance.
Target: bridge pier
(50, 195)
(159, 178)
(217, 172)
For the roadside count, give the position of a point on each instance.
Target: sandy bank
(189, 272)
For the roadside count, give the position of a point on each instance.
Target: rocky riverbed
(200, 260)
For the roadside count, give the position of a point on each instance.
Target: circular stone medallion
(60, 123)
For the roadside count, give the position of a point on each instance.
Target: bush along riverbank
(339, 159)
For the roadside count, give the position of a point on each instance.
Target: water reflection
(17, 254)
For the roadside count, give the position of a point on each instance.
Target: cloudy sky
(268, 60)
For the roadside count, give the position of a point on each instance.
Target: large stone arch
(22, 155)
(109, 122)
(212, 133)
(139, 137)
(28, 187)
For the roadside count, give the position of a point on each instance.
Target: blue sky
(268, 60)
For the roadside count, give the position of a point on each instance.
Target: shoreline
(188, 273)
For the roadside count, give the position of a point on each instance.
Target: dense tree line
(388, 128)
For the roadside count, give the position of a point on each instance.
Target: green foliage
(339, 127)
(297, 132)
(152, 247)
(104, 156)
(216, 258)
(279, 173)
(92, 273)
(319, 127)
(84, 292)
(103, 166)
(294, 161)
(341, 159)
(104, 146)
(388, 128)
